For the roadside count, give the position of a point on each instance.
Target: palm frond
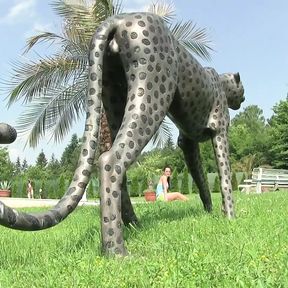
(162, 135)
(117, 7)
(80, 11)
(71, 39)
(193, 38)
(36, 79)
(164, 10)
(69, 114)
(77, 16)
(61, 109)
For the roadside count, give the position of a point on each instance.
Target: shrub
(216, 186)
(134, 187)
(143, 186)
(24, 188)
(184, 183)
(234, 182)
(243, 178)
(174, 182)
(90, 190)
(195, 189)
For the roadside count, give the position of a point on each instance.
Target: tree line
(254, 141)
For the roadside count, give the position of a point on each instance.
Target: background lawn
(178, 245)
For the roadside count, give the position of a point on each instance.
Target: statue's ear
(237, 78)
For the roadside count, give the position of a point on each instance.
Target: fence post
(258, 185)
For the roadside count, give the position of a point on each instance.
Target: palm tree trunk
(105, 134)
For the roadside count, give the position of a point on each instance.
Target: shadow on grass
(151, 214)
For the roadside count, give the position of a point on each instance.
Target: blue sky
(249, 37)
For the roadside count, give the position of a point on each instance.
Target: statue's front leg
(221, 150)
(193, 161)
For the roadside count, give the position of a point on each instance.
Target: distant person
(162, 191)
(40, 193)
(30, 191)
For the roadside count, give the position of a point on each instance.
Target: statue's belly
(192, 114)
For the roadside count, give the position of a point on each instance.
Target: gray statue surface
(7, 134)
(140, 73)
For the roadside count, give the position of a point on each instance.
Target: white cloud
(19, 11)
(38, 27)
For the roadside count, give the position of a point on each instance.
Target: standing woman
(163, 188)
(30, 190)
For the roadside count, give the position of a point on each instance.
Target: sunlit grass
(178, 245)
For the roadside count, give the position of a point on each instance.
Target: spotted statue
(140, 73)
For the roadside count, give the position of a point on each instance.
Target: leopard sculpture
(140, 73)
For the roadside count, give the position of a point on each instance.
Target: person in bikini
(162, 189)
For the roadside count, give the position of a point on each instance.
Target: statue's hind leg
(145, 109)
(114, 101)
(193, 160)
(109, 132)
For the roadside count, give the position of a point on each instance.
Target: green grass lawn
(178, 245)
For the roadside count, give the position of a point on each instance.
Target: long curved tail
(14, 219)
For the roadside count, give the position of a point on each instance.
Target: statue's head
(234, 89)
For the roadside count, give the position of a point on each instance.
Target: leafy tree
(248, 135)
(6, 167)
(68, 151)
(70, 156)
(36, 173)
(53, 167)
(41, 160)
(279, 135)
(147, 166)
(173, 157)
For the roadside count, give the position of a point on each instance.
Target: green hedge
(55, 189)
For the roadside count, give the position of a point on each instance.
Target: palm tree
(54, 87)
